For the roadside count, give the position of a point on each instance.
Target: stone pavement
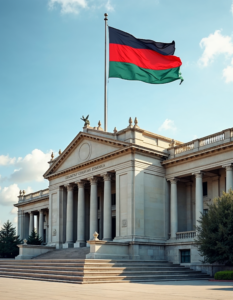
(16, 289)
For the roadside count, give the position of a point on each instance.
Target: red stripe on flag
(143, 58)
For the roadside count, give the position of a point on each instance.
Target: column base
(79, 244)
(68, 245)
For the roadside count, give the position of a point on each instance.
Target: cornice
(31, 201)
(196, 155)
(128, 150)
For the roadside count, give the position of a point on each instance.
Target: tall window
(205, 192)
(185, 256)
(98, 199)
(113, 199)
(205, 211)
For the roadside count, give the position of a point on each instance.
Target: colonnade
(40, 223)
(198, 199)
(107, 220)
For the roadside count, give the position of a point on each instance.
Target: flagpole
(105, 73)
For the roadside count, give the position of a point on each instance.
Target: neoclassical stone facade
(142, 192)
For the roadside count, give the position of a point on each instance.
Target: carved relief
(124, 223)
(84, 151)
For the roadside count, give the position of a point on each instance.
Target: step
(99, 281)
(96, 273)
(92, 269)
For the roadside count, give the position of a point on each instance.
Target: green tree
(34, 239)
(215, 231)
(9, 241)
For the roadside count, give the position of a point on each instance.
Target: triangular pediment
(85, 147)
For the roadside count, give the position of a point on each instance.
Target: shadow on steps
(70, 253)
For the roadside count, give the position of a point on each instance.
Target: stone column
(189, 205)
(81, 217)
(93, 207)
(107, 236)
(199, 197)
(69, 218)
(174, 210)
(41, 225)
(37, 224)
(229, 177)
(31, 223)
(173, 207)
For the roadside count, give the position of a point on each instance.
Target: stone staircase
(97, 271)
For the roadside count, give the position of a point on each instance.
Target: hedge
(224, 275)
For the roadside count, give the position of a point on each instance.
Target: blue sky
(52, 73)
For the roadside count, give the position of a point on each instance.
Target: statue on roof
(87, 122)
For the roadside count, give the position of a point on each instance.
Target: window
(204, 184)
(113, 199)
(44, 217)
(98, 199)
(185, 256)
(205, 211)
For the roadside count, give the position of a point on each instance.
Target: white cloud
(9, 194)
(68, 6)
(109, 6)
(228, 73)
(167, 125)
(75, 6)
(14, 211)
(214, 45)
(31, 167)
(6, 160)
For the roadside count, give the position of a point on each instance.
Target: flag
(145, 60)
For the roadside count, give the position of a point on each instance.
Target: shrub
(34, 239)
(9, 241)
(215, 232)
(224, 275)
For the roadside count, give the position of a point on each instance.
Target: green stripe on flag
(132, 72)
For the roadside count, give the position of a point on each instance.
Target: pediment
(83, 148)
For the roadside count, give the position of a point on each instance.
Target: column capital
(173, 180)
(69, 186)
(93, 180)
(228, 167)
(107, 177)
(198, 174)
(80, 184)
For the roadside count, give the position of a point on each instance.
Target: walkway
(12, 289)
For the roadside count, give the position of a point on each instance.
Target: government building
(143, 193)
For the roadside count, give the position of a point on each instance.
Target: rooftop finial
(115, 130)
(99, 126)
(52, 156)
(136, 122)
(20, 193)
(23, 192)
(130, 122)
(59, 152)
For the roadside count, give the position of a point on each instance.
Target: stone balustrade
(32, 196)
(185, 235)
(184, 148)
(202, 143)
(212, 139)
